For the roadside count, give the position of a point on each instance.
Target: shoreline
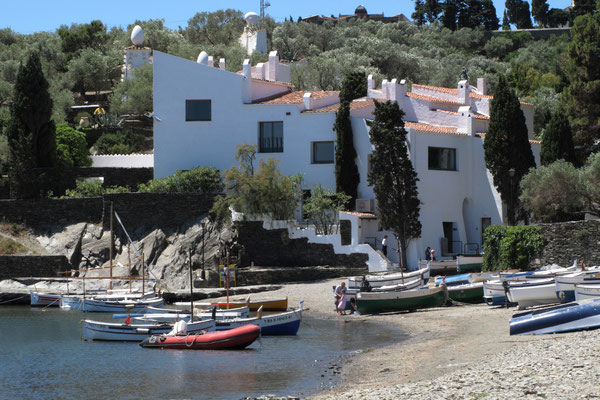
(460, 351)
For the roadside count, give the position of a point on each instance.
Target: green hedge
(511, 247)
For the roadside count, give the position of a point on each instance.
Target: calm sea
(42, 356)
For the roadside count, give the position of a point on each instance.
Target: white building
(202, 113)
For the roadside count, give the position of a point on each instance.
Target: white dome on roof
(137, 36)
(202, 58)
(251, 18)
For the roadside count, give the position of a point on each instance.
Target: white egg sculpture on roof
(137, 36)
(202, 58)
(251, 18)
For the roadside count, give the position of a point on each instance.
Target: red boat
(237, 338)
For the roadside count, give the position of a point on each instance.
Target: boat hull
(567, 317)
(287, 323)
(44, 299)
(108, 331)
(469, 293)
(565, 285)
(92, 305)
(389, 279)
(238, 338)
(584, 292)
(469, 264)
(267, 305)
(527, 294)
(375, 302)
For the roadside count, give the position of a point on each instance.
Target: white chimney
(307, 100)
(273, 62)
(222, 63)
(211, 61)
(482, 86)
(463, 92)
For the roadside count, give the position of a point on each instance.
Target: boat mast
(191, 291)
(112, 243)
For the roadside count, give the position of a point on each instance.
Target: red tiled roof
(432, 99)
(294, 97)
(287, 84)
(355, 105)
(360, 214)
(453, 91)
(432, 128)
(482, 134)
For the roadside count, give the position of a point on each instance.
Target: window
(442, 158)
(270, 138)
(198, 110)
(322, 152)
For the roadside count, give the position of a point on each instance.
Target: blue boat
(577, 315)
(286, 323)
(461, 279)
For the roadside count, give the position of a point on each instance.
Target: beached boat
(287, 323)
(466, 293)
(494, 293)
(39, 299)
(408, 285)
(440, 267)
(389, 279)
(111, 331)
(469, 263)
(375, 302)
(266, 304)
(533, 292)
(237, 338)
(584, 314)
(584, 292)
(565, 284)
(461, 279)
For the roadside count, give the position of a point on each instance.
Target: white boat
(120, 306)
(532, 293)
(286, 323)
(588, 291)
(395, 278)
(440, 267)
(39, 299)
(98, 330)
(565, 284)
(75, 302)
(242, 312)
(408, 285)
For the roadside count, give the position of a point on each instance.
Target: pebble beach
(458, 352)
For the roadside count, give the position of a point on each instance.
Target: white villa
(202, 112)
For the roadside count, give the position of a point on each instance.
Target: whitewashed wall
(123, 161)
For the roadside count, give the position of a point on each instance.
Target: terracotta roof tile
(452, 91)
(360, 214)
(482, 134)
(293, 97)
(432, 128)
(432, 99)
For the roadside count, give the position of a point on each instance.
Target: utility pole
(263, 5)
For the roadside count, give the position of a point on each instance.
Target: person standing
(384, 245)
(338, 293)
(432, 255)
(341, 307)
(428, 253)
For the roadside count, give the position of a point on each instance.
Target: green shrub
(93, 189)
(511, 247)
(197, 180)
(125, 142)
(71, 147)
(9, 246)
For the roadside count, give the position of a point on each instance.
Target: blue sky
(28, 16)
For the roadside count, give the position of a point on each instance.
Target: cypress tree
(489, 17)
(505, 22)
(31, 133)
(419, 15)
(432, 10)
(354, 86)
(583, 71)
(450, 14)
(347, 177)
(393, 177)
(557, 143)
(539, 10)
(506, 146)
(524, 16)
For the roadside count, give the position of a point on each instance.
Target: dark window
(322, 152)
(442, 158)
(270, 138)
(198, 110)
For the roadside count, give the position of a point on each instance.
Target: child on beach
(341, 307)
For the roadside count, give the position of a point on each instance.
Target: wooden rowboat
(467, 293)
(110, 331)
(266, 304)
(375, 302)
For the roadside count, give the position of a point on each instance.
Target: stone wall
(569, 240)
(26, 266)
(274, 248)
(135, 209)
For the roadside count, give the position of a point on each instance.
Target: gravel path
(458, 352)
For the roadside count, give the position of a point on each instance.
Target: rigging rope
(15, 299)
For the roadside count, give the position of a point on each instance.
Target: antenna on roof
(263, 5)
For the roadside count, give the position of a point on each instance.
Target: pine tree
(506, 146)
(31, 133)
(432, 10)
(393, 177)
(583, 71)
(539, 10)
(347, 177)
(419, 15)
(449, 14)
(557, 143)
(583, 7)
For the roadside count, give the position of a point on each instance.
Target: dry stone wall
(567, 241)
(27, 266)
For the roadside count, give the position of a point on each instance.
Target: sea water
(42, 355)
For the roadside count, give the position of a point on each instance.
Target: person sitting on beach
(353, 306)
(341, 307)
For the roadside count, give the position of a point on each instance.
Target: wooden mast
(112, 243)
(191, 291)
